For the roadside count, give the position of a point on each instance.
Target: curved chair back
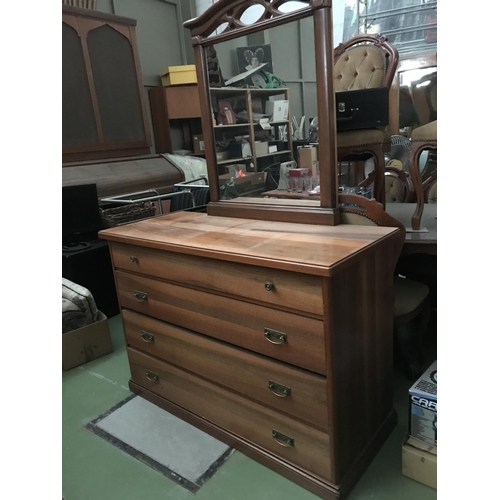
(358, 210)
(363, 62)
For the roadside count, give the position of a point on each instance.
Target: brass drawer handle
(154, 377)
(141, 296)
(274, 337)
(282, 391)
(147, 337)
(283, 439)
(133, 258)
(269, 285)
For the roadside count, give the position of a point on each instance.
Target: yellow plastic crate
(179, 75)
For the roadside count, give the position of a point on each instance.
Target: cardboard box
(87, 343)
(278, 110)
(423, 407)
(419, 461)
(222, 155)
(261, 148)
(240, 150)
(308, 158)
(198, 144)
(179, 75)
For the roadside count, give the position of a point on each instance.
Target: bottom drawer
(291, 440)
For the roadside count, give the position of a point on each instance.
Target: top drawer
(298, 292)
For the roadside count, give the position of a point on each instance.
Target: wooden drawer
(294, 291)
(299, 341)
(228, 410)
(285, 388)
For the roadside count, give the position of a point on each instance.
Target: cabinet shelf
(285, 151)
(232, 126)
(234, 160)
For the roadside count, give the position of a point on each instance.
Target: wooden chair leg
(416, 179)
(379, 183)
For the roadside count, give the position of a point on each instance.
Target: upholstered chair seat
(425, 133)
(361, 138)
(411, 298)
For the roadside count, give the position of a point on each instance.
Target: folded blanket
(78, 306)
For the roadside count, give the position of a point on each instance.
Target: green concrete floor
(93, 469)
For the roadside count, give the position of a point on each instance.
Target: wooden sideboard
(275, 338)
(180, 103)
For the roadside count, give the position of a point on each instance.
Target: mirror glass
(418, 107)
(263, 97)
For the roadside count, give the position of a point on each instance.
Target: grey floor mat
(173, 447)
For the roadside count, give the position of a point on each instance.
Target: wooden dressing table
(274, 337)
(266, 323)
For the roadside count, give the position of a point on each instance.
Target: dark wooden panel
(78, 121)
(115, 79)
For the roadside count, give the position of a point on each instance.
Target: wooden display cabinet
(251, 128)
(103, 102)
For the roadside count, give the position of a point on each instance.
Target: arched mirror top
(229, 19)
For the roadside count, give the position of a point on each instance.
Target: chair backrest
(364, 62)
(398, 185)
(358, 210)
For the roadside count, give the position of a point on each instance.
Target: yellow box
(179, 75)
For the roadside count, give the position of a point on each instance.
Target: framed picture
(251, 57)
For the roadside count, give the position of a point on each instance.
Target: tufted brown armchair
(423, 138)
(363, 62)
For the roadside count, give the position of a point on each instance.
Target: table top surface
(403, 212)
(313, 249)
(400, 211)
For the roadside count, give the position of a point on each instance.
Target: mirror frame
(230, 12)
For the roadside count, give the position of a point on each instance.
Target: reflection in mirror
(417, 108)
(262, 97)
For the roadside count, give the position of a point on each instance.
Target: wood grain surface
(312, 249)
(238, 414)
(237, 369)
(239, 323)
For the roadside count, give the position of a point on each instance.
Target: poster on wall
(251, 57)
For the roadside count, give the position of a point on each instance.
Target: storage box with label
(179, 75)
(86, 343)
(278, 110)
(423, 407)
(419, 461)
(198, 144)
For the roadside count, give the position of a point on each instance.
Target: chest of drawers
(275, 338)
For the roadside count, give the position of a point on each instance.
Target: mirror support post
(206, 121)
(327, 126)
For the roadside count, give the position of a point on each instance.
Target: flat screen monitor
(80, 213)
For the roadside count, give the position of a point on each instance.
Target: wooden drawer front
(295, 291)
(233, 321)
(287, 389)
(228, 410)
